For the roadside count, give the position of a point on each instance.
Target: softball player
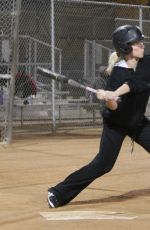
(130, 78)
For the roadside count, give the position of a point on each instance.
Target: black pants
(111, 142)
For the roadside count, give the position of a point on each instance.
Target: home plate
(86, 215)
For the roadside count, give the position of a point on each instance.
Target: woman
(129, 77)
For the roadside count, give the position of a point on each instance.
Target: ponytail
(113, 59)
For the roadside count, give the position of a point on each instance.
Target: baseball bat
(79, 85)
(64, 79)
(52, 75)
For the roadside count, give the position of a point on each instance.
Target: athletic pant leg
(111, 142)
(143, 137)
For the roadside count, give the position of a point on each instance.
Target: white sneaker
(52, 200)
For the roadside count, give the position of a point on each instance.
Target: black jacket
(131, 109)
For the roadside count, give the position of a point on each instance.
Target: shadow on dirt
(120, 198)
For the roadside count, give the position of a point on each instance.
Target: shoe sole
(50, 204)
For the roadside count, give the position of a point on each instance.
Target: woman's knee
(103, 170)
(107, 169)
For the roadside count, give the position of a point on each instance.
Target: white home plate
(86, 215)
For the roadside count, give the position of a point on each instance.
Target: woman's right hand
(111, 104)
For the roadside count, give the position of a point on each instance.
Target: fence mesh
(83, 31)
(78, 33)
(33, 94)
(7, 27)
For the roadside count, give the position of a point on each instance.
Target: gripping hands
(110, 98)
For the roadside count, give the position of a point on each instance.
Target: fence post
(9, 112)
(53, 64)
(86, 73)
(93, 58)
(140, 17)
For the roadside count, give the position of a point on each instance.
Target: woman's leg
(111, 142)
(143, 137)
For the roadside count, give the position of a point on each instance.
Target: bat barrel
(52, 75)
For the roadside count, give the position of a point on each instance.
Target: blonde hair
(113, 59)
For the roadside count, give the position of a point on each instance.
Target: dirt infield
(30, 165)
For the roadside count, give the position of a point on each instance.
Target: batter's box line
(86, 215)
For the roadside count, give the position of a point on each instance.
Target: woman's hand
(111, 104)
(109, 97)
(100, 94)
(106, 95)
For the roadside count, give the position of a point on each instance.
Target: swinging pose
(129, 78)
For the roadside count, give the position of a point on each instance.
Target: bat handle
(91, 89)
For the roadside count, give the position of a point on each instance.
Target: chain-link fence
(71, 37)
(9, 18)
(83, 31)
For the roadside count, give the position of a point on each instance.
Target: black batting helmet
(124, 37)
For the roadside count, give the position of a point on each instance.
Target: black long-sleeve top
(131, 109)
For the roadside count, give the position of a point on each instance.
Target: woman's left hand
(106, 95)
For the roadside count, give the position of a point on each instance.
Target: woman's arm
(111, 96)
(122, 90)
(130, 86)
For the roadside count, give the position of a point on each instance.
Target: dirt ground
(30, 165)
